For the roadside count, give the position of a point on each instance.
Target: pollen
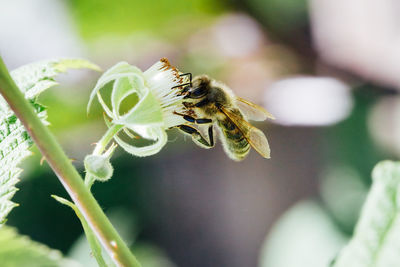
(167, 65)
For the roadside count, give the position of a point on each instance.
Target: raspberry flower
(158, 91)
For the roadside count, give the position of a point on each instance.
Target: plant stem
(107, 137)
(67, 174)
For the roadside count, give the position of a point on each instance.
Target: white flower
(158, 90)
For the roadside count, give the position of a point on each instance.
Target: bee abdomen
(235, 143)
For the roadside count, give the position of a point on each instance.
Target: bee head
(201, 81)
(200, 87)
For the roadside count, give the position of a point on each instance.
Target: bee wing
(252, 111)
(254, 136)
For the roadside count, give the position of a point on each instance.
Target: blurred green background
(326, 75)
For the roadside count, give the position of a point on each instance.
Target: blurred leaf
(20, 251)
(97, 18)
(91, 238)
(281, 15)
(376, 240)
(304, 236)
(122, 221)
(32, 79)
(343, 192)
(149, 255)
(343, 145)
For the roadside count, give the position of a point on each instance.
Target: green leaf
(14, 145)
(304, 236)
(20, 251)
(94, 243)
(376, 241)
(32, 79)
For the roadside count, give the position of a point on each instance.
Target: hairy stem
(66, 173)
(107, 137)
(100, 147)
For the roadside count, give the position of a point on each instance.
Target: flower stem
(107, 137)
(67, 174)
(100, 147)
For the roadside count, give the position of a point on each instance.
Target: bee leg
(196, 105)
(188, 104)
(193, 120)
(211, 135)
(182, 85)
(203, 121)
(187, 85)
(197, 137)
(184, 90)
(187, 74)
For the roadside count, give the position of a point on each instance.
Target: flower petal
(164, 82)
(162, 77)
(123, 87)
(121, 69)
(146, 112)
(160, 137)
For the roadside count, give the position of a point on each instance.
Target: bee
(209, 102)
